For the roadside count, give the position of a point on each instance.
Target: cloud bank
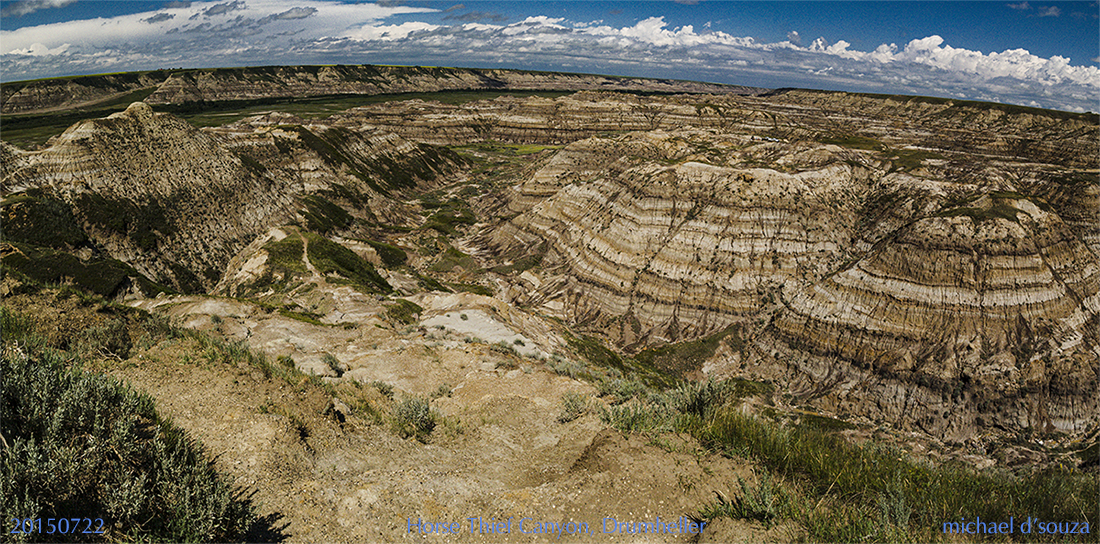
(289, 32)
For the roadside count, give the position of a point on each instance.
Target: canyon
(918, 268)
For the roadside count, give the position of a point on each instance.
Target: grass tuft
(413, 417)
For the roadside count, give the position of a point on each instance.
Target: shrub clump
(413, 417)
(573, 406)
(404, 311)
(330, 257)
(84, 445)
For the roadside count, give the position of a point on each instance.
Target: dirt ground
(501, 455)
(498, 456)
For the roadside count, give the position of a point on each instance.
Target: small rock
(337, 409)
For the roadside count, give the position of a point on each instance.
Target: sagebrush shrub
(84, 445)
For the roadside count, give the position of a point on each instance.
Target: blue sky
(1033, 53)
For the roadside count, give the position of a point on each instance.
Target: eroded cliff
(923, 263)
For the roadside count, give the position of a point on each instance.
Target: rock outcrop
(983, 315)
(922, 262)
(638, 233)
(156, 193)
(177, 203)
(63, 93)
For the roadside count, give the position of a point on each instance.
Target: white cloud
(39, 50)
(26, 7)
(1051, 11)
(314, 31)
(203, 25)
(388, 32)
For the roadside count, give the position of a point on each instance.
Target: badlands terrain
(547, 263)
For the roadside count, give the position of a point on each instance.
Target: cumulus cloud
(159, 18)
(25, 7)
(1050, 11)
(1022, 6)
(295, 13)
(221, 9)
(38, 50)
(313, 31)
(288, 15)
(388, 33)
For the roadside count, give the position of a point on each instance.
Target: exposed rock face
(959, 130)
(933, 295)
(46, 94)
(647, 237)
(303, 81)
(157, 193)
(993, 306)
(368, 161)
(918, 262)
(967, 127)
(178, 203)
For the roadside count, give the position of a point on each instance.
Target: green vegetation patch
(391, 255)
(285, 255)
(252, 165)
(597, 354)
(328, 257)
(413, 417)
(447, 215)
(823, 423)
(304, 317)
(323, 216)
(909, 159)
(874, 492)
(685, 357)
(403, 311)
(105, 277)
(85, 445)
(429, 283)
(999, 210)
(144, 223)
(852, 141)
(284, 263)
(42, 220)
(453, 258)
(472, 288)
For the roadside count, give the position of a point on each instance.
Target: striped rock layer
(178, 203)
(660, 246)
(981, 315)
(203, 204)
(886, 294)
